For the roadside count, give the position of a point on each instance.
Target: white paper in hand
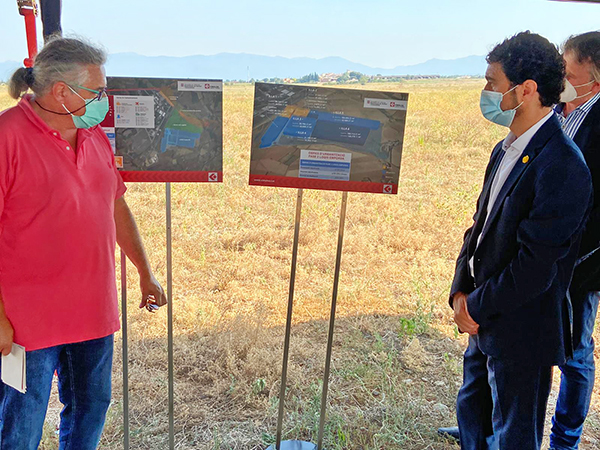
(13, 369)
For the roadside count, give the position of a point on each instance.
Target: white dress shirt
(513, 148)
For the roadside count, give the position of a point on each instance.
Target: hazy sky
(380, 33)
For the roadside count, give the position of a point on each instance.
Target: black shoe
(450, 432)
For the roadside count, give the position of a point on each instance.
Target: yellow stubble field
(397, 355)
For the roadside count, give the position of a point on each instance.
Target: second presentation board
(327, 138)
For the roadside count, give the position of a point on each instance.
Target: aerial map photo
(166, 129)
(327, 138)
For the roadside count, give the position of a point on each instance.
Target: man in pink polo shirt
(61, 212)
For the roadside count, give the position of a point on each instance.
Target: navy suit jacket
(587, 274)
(524, 262)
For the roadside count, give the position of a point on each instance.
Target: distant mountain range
(242, 66)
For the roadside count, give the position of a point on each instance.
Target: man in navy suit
(580, 118)
(516, 263)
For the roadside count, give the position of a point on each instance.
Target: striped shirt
(573, 121)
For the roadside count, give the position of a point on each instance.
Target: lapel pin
(525, 159)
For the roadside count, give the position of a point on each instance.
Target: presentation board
(327, 138)
(166, 129)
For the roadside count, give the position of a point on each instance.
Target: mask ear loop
(510, 90)
(587, 93)
(518, 106)
(583, 96)
(585, 84)
(78, 109)
(63, 105)
(69, 112)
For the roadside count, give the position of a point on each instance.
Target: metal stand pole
(125, 350)
(290, 445)
(336, 280)
(170, 321)
(288, 322)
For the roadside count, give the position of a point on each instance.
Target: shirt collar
(25, 105)
(588, 105)
(511, 142)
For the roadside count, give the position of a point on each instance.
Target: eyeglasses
(99, 94)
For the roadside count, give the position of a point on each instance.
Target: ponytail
(20, 82)
(61, 59)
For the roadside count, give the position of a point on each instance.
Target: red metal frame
(29, 10)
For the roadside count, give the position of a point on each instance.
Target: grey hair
(586, 48)
(61, 59)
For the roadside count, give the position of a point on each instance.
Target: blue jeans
(84, 385)
(577, 380)
(506, 399)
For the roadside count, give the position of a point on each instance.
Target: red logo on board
(387, 188)
(213, 176)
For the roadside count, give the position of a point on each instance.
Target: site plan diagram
(166, 129)
(327, 138)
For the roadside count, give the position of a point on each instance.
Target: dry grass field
(397, 355)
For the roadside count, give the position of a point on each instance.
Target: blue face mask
(492, 111)
(95, 110)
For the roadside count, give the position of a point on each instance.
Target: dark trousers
(51, 17)
(578, 375)
(505, 398)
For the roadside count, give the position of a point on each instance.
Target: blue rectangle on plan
(272, 134)
(329, 164)
(338, 132)
(178, 138)
(301, 127)
(340, 118)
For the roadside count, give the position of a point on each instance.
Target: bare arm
(6, 331)
(128, 238)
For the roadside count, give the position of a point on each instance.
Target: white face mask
(570, 94)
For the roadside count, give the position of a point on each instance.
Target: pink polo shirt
(57, 231)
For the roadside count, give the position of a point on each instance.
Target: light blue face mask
(492, 111)
(95, 110)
